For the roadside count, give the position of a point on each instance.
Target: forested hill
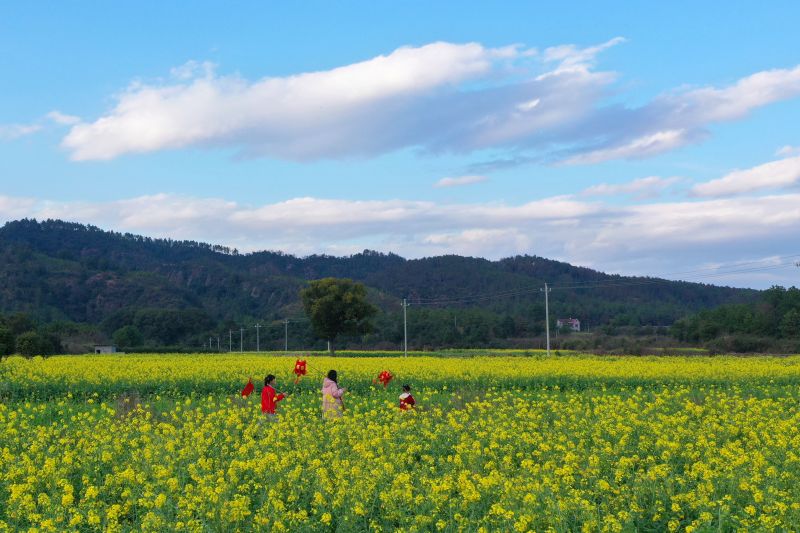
(57, 270)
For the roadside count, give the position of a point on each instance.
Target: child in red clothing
(269, 398)
(406, 400)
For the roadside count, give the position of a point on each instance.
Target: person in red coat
(269, 398)
(406, 400)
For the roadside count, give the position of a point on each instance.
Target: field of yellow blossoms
(575, 443)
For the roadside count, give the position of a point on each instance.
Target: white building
(105, 348)
(572, 323)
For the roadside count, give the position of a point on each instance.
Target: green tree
(337, 306)
(128, 337)
(6, 341)
(790, 325)
(35, 342)
(505, 327)
(30, 343)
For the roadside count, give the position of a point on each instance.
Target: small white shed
(105, 348)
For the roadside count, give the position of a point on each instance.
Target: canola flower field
(507, 443)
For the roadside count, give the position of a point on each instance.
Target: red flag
(385, 377)
(248, 388)
(299, 369)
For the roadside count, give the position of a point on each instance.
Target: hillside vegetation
(84, 284)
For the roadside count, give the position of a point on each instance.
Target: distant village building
(572, 323)
(105, 348)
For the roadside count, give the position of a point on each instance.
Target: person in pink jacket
(332, 404)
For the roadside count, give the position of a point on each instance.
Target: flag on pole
(385, 377)
(299, 370)
(248, 389)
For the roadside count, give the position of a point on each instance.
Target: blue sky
(629, 137)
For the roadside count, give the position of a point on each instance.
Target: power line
(283, 323)
(477, 298)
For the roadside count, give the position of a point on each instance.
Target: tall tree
(337, 306)
(128, 337)
(33, 343)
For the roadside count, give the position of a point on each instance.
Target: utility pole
(547, 316)
(218, 346)
(241, 340)
(230, 340)
(258, 342)
(285, 334)
(405, 328)
(209, 343)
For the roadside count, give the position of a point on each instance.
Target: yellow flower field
(164, 442)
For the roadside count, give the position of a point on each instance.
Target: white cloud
(787, 151)
(772, 175)
(413, 97)
(459, 181)
(642, 188)
(757, 90)
(192, 69)
(640, 147)
(15, 207)
(10, 132)
(440, 97)
(479, 242)
(529, 105)
(646, 238)
(62, 119)
(306, 116)
(732, 221)
(570, 56)
(675, 119)
(147, 214)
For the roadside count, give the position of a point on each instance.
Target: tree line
(770, 324)
(340, 313)
(20, 333)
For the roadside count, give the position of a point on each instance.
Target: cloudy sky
(634, 138)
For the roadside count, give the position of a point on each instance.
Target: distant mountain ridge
(57, 270)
